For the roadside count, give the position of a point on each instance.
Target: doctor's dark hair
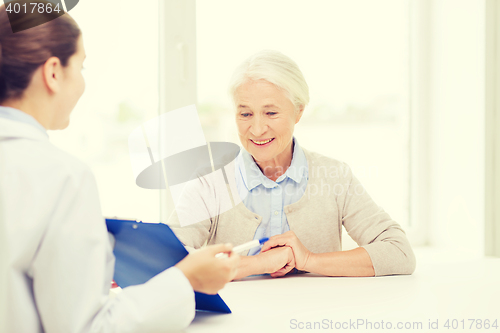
(21, 53)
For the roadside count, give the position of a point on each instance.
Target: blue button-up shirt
(267, 198)
(16, 115)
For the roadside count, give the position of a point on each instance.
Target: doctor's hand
(290, 240)
(278, 261)
(206, 273)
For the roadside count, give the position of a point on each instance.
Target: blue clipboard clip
(143, 250)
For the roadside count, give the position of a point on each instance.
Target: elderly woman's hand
(289, 239)
(278, 261)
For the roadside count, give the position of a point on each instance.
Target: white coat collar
(11, 129)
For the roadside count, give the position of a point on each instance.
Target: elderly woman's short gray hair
(276, 68)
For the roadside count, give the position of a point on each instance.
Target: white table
(460, 290)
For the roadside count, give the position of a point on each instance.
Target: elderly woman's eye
(246, 114)
(272, 113)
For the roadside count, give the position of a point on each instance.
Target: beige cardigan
(333, 197)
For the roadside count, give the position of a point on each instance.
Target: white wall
(457, 125)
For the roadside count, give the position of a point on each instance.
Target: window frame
(492, 122)
(177, 64)
(420, 40)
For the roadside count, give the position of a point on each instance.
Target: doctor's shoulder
(58, 169)
(71, 166)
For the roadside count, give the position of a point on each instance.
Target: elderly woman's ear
(300, 111)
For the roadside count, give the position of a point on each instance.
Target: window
(121, 74)
(354, 56)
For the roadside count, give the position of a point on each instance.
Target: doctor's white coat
(59, 258)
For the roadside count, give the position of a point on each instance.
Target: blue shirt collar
(17, 115)
(253, 176)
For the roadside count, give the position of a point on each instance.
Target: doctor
(59, 259)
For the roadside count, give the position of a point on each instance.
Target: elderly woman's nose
(258, 127)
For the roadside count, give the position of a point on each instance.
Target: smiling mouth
(261, 143)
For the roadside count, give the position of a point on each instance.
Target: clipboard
(143, 250)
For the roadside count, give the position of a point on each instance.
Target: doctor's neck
(36, 104)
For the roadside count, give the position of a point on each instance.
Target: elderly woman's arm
(277, 262)
(384, 248)
(355, 262)
(191, 221)
(373, 229)
(192, 236)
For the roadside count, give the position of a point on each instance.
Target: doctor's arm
(73, 268)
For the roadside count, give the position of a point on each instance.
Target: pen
(243, 247)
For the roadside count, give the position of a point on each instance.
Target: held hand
(289, 239)
(278, 261)
(206, 273)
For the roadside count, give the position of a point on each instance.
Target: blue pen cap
(263, 240)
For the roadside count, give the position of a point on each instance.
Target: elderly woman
(298, 198)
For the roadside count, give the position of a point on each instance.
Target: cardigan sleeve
(196, 208)
(192, 236)
(374, 230)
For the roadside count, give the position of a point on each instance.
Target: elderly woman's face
(265, 118)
